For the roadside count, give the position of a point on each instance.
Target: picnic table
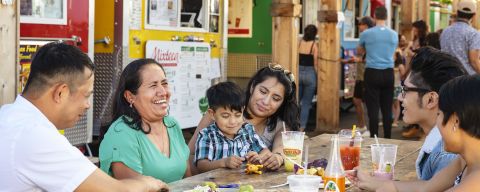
(407, 153)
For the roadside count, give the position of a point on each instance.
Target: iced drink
(383, 160)
(350, 149)
(350, 157)
(292, 148)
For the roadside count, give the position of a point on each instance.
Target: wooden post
(454, 6)
(9, 36)
(285, 25)
(328, 67)
(407, 18)
(476, 18)
(424, 11)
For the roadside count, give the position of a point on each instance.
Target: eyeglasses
(278, 67)
(406, 89)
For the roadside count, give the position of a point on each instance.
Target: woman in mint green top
(143, 139)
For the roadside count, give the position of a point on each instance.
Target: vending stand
(186, 36)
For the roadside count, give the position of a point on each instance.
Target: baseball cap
(467, 6)
(366, 21)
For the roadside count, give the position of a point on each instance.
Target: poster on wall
(187, 66)
(43, 11)
(26, 51)
(162, 12)
(240, 18)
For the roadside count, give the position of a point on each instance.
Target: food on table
(319, 163)
(246, 188)
(316, 167)
(253, 169)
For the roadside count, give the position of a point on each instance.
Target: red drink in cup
(350, 148)
(350, 157)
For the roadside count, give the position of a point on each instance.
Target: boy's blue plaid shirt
(213, 145)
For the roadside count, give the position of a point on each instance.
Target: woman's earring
(131, 103)
(454, 128)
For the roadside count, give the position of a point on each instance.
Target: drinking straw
(353, 130)
(284, 128)
(305, 164)
(352, 142)
(380, 162)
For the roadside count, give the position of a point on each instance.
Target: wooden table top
(319, 148)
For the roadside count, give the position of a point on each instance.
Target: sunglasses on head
(278, 67)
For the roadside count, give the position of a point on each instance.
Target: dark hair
(57, 62)
(460, 96)
(433, 40)
(422, 31)
(462, 15)
(289, 110)
(367, 20)
(227, 95)
(309, 33)
(381, 13)
(432, 68)
(130, 80)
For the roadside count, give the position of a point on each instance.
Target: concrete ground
(348, 118)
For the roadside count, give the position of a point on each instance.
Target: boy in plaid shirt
(229, 141)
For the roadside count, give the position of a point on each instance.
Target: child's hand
(233, 162)
(253, 157)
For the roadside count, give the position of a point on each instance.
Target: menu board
(187, 66)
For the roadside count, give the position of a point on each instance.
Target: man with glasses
(430, 70)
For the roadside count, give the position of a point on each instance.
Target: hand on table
(272, 161)
(366, 181)
(253, 157)
(233, 162)
(154, 185)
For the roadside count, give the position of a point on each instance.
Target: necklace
(159, 137)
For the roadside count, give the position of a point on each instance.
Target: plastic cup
(292, 148)
(304, 183)
(350, 149)
(383, 160)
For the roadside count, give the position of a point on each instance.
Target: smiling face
(77, 102)
(266, 98)
(413, 112)
(228, 121)
(153, 95)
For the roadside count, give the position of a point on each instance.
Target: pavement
(348, 118)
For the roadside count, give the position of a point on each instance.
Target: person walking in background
(358, 93)
(380, 43)
(462, 40)
(400, 74)
(419, 31)
(307, 54)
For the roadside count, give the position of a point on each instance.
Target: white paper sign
(187, 65)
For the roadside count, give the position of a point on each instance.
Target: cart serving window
(43, 11)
